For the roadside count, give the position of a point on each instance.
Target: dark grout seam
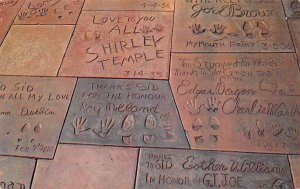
(127, 10)
(174, 148)
(291, 173)
(67, 48)
(33, 173)
(12, 23)
(137, 168)
(171, 48)
(66, 114)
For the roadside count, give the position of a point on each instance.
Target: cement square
(123, 112)
(8, 11)
(32, 112)
(34, 50)
(239, 101)
(49, 12)
(120, 44)
(16, 172)
(76, 166)
(188, 169)
(230, 26)
(150, 5)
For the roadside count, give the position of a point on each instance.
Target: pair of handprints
(104, 126)
(212, 105)
(147, 29)
(217, 29)
(102, 129)
(251, 29)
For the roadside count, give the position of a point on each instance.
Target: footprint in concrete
(38, 128)
(214, 138)
(247, 132)
(127, 127)
(280, 184)
(248, 29)
(25, 128)
(126, 139)
(148, 139)
(199, 139)
(128, 123)
(214, 123)
(260, 128)
(150, 122)
(197, 124)
(264, 28)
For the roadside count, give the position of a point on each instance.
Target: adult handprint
(78, 125)
(291, 133)
(218, 29)
(196, 29)
(192, 107)
(212, 104)
(104, 127)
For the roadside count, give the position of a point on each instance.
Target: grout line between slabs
(12, 23)
(115, 10)
(74, 29)
(178, 113)
(291, 173)
(33, 173)
(283, 7)
(66, 114)
(44, 25)
(181, 52)
(81, 77)
(172, 34)
(174, 148)
(288, 26)
(137, 168)
(292, 38)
